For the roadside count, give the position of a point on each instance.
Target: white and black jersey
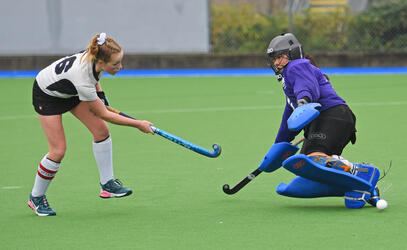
(68, 77)
(61, 86)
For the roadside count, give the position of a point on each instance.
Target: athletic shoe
(320, 158)
(340, 165)
(114, 188)
(40, 206)
(334, 161)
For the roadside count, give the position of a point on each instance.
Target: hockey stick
(217, 149)
(226, 188)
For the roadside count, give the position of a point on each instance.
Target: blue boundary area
(219, 72)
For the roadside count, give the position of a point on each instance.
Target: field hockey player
(307, 88)
(72, 84)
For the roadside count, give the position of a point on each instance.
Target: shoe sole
(30, 204)
(107, 195)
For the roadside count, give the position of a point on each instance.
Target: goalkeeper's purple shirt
(301, 79)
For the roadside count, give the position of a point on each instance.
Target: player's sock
(46, 172)
(104, 159)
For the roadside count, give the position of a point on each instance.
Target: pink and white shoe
(114, 189)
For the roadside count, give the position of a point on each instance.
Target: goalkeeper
(326, 136)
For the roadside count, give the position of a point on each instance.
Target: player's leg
(325, 140)
(330, 132)
(327, 137)
(102, 143)
(102, 149)
(367, 172)
(358, 181)
(301, 187)
(49, 165)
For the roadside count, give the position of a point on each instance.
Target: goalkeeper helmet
(285, 44)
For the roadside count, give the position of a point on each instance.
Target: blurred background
(204, 33)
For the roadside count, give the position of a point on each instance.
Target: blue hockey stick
(217, 149)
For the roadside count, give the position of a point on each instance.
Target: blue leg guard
(358, 187)
(276, 155)
(358, 198)
(302, 165)
(375, 197)
(300, 187)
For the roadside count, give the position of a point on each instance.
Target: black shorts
(330, 132)
(50, 105)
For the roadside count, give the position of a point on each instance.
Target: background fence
(320, 25)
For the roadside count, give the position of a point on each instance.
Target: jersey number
(65, 65)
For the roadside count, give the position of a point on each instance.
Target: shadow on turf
(314, 208)
(293, 205)
(322, 208)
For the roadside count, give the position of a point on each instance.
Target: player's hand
(303, 101)
(103, 97)
(145, 126)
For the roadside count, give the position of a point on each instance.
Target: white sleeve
(87, 92)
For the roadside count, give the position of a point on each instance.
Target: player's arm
(306, 85)
(99, 109)
(284, 134)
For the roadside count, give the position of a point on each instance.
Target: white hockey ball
(381, 204)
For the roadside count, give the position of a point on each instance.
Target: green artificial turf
(178, 201)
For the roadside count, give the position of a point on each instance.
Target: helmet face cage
(273, 56)
(284, 44)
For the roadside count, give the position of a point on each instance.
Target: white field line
(367, 104)
(11, 187)
(14, 117)
(216, 109)
(212, 109)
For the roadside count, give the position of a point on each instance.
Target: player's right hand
(145, 126)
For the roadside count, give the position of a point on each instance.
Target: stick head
(217, 149)
(227, 190)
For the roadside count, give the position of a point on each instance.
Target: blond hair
(101, 52)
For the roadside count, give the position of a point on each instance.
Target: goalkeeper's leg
(369, 173)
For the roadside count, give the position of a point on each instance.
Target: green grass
(178, 202)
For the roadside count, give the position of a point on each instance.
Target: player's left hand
(145, 126)
(303, 101)
(102, 97)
